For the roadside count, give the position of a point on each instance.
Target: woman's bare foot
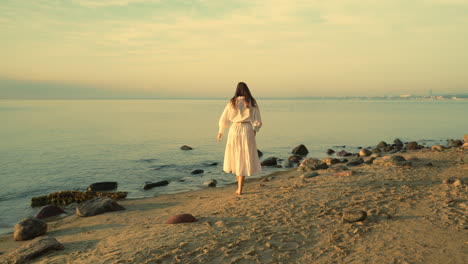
(238, 192)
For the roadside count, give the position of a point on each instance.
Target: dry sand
(412, 218)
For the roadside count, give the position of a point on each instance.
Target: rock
(397, 158)
(213, 164)
(465, 138)
(181, 218)
(150, 185)
(288, 164)
(343, 160)
(454, 143)
(393, 151)
(413, 145)
(376, 150)
(382, 144)
(388, 148)
(98, 205)
(300, 150)
(309, 175)
(331, 161)
(34, 249)
(343, 153)
(185, 147)
(447, 181)
(437, 148)
(49, 211)
(197, 171)
(354, 216)
(429, 164)
(69, 197)
(369, 161)
(212, 183)
(376, 155)
(457, 183)
(295, 159)
(398, 143)
(259, 153)
(102, 186)
(330, 151)
(364, 152)
(465, 145)
(311, 164)
(29, 228)
(399, 161)
(344, 173)
(271, 161)
(355, 162)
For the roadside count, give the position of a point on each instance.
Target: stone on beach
(212, 183)
(69, 197)
(437, 148)
(454, 143)
(181, 218)
(355, 162)
(331, 161)
(295, 159)
(330, 151)
(98, 205)
(382, 144)
(413, 145)
(185, 147)
(465, 138)
(364, 152)
(398, 143)
(309, 175)
(300, 150)
(343, 153)
(29, 228)
(354, 216)
(344, 173)
(49, 211)
(399, 161)
(311, 164)
(197, 171)
(102, 186)
(270, 161)
(376, 150)
(34, 249)
(150, 185)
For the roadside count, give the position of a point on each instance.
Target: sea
(53, 145)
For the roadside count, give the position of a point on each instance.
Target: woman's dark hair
(243, 90)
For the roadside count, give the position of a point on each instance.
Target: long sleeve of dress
(256, 119)
(224, 121)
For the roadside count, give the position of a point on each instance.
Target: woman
(241, 156)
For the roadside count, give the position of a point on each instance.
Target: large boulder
(102, 186)
(270, 161)
(98, 205)
(413, 145)
(382, 144)
(311, 164)
(364, 152)
(150, 185)
(69, 197)
(181, 218)
(29, 228)
(300, 150)
(34, 249)
(49, 211)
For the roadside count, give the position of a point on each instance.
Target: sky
(202, 48)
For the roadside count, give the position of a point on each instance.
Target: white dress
(241, 156)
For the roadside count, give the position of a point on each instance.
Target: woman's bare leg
(240, 184)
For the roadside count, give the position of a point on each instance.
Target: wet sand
(412, 218)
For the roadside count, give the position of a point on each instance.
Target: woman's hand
(219, 137)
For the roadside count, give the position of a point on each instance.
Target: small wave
(147, 160)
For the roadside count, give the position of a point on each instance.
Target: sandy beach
(413, 217)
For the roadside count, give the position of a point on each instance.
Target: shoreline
(286, 219)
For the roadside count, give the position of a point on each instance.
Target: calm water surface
(48, 146)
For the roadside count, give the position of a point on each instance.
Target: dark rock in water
(197, 171)
(398, 142)
(69, 197)
(310, 164)
(354, 216)
(98, 205)
(330, 151)
(359, 147)
(413, 145)
(49, 211)
(454, 143)
(102, 186)
(29, 228)
(364, 152)
(150, 185)
(34, 249)
(343, 153)
(259, 153)
(382, 144)
(343, 160)
(288, 164)
(300, 150)
(182, 218)
(295, 159)
(185, 147)
(271, 161)
(212, 183)
(212, 164)
(331, 161)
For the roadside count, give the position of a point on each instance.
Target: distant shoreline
(258, 98)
